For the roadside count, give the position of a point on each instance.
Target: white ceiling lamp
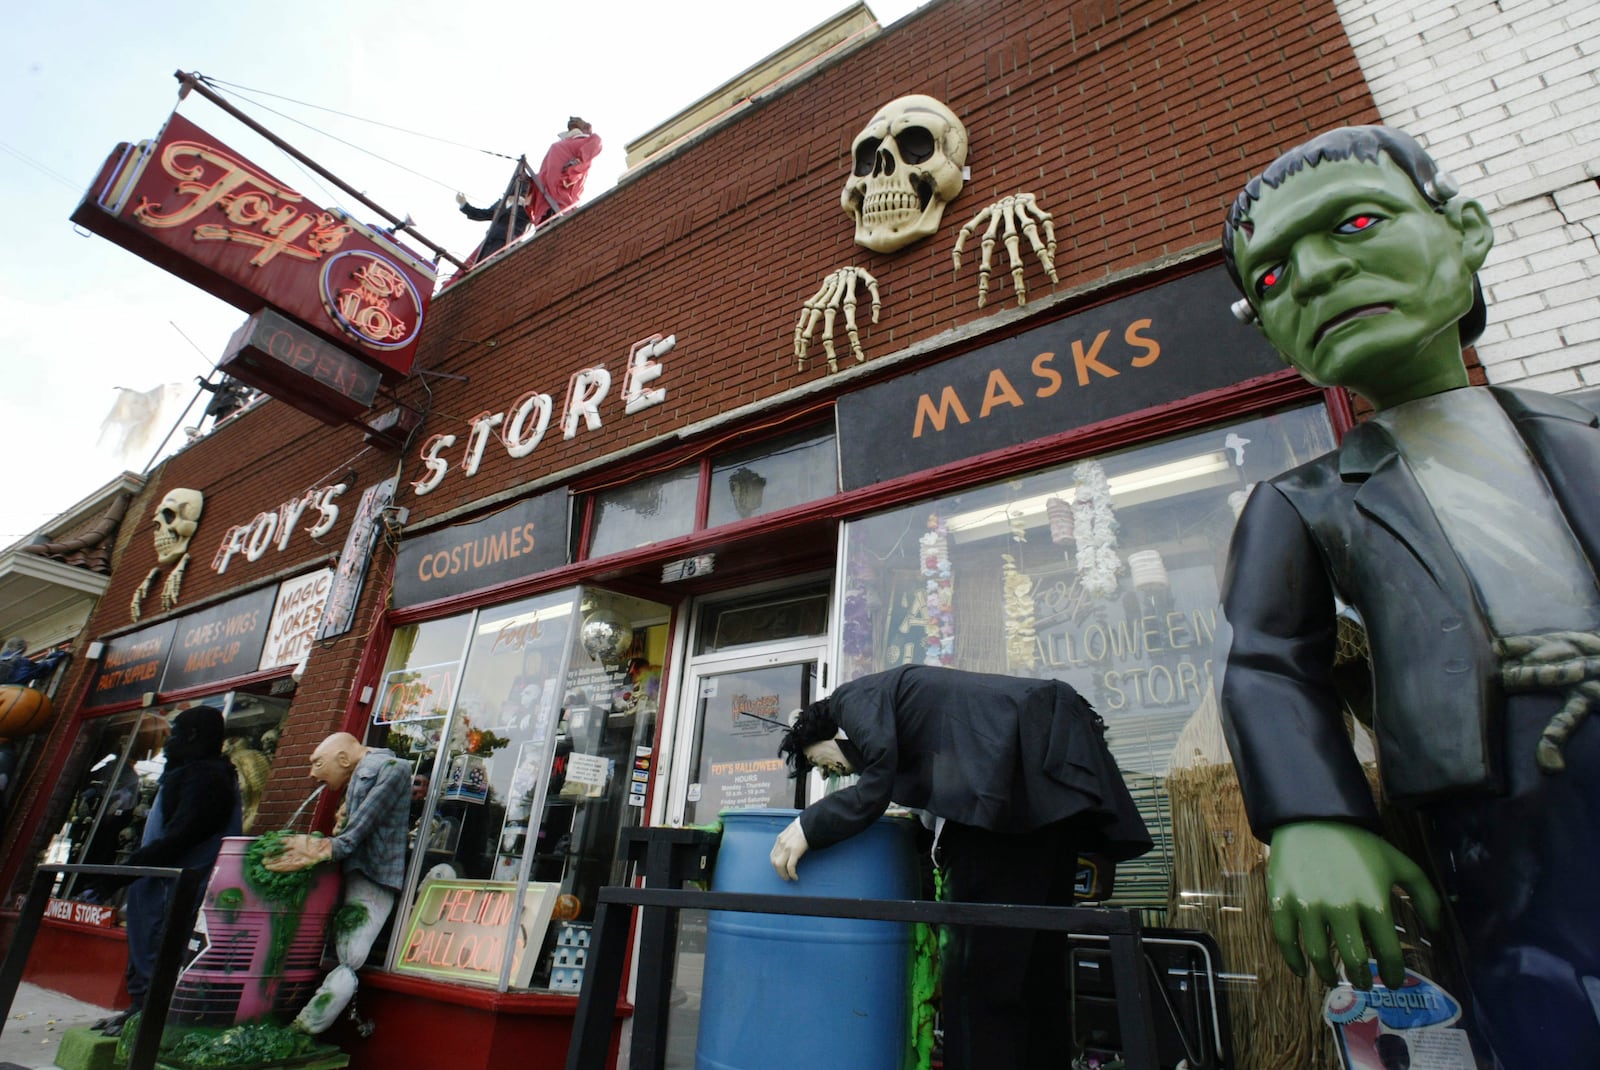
(1130, 488)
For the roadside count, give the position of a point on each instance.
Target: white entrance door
(736, 707)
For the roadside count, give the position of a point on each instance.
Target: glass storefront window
(1104, 573)
(530, 727)
(644, 511)
(121, 761)
(773, 475)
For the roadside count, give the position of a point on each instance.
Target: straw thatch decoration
(1219, 885)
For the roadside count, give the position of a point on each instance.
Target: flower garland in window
(1021, 632)
(1095, 528)
(860, 609)
(941, 626)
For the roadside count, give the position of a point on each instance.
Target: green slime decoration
(253, 1046)
(287, 890)
(350, 917)
(229, 900)
(924, 983)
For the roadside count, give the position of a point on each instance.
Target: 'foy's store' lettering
(267, 529)
(525, 420)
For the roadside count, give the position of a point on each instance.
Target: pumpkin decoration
(22, 710)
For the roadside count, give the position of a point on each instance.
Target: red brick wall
(1134, 123)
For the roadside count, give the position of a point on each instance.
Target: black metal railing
(672, 856)
(174, 940)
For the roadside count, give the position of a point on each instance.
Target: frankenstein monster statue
(1462, 524)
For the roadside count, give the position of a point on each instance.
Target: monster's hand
(1326, 879)
(787, 849)
(299, 852)
(1568, 662)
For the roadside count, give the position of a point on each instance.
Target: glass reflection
(644, 511)
(531, 751)
(773, 475)
(1106, 573)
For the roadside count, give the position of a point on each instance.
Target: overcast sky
(80, 317)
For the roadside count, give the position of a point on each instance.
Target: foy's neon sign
(523, 424)
(249, 201)
(200, 210)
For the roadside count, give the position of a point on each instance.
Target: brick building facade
(1133, 124)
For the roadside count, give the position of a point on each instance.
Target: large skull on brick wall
(175, 520)
(907, 167)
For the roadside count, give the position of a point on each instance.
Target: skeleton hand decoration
(136, 607)
(1018, 212)
(838, 289)
(170, 589)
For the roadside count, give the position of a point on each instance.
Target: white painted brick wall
(1506, 95)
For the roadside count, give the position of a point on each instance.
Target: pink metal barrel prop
(262, 957)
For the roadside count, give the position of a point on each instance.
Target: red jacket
(559, 182)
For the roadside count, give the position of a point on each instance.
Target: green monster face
(1359, 281)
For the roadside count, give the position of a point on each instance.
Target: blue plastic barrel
(785, 991)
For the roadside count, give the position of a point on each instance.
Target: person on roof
(533, 197)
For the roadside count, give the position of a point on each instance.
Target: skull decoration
(908, 166)
(175, 520)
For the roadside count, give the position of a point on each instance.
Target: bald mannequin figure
(369, 843)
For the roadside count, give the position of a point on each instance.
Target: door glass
(740, 716)
(766, 618)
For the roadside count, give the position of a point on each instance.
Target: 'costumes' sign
(528, 537)
(1154, 347)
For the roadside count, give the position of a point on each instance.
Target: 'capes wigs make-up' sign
(219, 643)
(191, 205)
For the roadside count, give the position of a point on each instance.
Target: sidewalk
(38, 1019)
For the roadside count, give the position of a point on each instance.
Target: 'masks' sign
(191, 205)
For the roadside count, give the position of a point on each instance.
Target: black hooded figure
(196, 805)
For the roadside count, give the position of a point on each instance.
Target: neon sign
(375, 301)
(248, 199)
(193, 206)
